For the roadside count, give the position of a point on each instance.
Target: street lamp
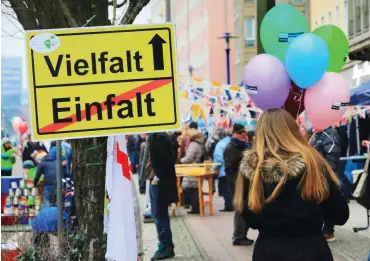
(227, 37)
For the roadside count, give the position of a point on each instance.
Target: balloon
(294, 104)
(307, 60)
(266, 81)
(279, 27)
(23, 127)
(337, 43)
(16, 121)
(326, 101)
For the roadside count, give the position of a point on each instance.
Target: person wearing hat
(233, 155)
(7, 157)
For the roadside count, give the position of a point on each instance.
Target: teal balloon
(280, 26)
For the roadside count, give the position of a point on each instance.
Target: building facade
(11, 90)
(245, 26)
(352, 16)
(199, 23)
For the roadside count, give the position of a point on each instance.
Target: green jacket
(6, 160)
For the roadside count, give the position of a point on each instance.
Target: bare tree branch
(67, 14)
(134, 8)
(26, 16)
(118, 5)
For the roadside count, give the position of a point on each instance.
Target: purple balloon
(266, 81)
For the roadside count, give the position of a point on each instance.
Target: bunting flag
(121, 245)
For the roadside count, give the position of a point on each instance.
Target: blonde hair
(277, 136)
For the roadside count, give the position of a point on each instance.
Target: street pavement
(186, 247)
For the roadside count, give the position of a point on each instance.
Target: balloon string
(300, 103)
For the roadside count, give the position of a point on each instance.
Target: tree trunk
(89, 157)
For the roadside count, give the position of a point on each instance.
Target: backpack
(205, 155)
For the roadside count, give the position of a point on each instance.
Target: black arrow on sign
(158, 59)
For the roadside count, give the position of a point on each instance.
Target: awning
(360, 95)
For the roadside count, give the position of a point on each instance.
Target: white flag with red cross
(121, 245)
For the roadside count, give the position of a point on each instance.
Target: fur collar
(271, 170)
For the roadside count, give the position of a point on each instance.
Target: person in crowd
(29, 167)
(160, 171)
(251, 139)
(193, 154)
(48, 169)
(175, 144)
(31, 149)
(233, 155)
(133, 148)
(303, 131)
(211, 143)
(142, 164)
(223, 189)
(193, 125)
(343, 140)
(327, 143)
(286, 189)
(7, 157)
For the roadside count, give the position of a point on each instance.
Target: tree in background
(88, 155)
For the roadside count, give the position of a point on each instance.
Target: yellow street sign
(102, 81)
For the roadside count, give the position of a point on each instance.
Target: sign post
(88, 82)
(59, 193)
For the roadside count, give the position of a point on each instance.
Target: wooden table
(200, 171)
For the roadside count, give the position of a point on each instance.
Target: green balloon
(280, 26)
(337, 43)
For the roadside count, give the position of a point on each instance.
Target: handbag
(361, 187)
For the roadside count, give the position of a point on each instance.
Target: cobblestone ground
(186, 248)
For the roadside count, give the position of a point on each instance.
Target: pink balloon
(327, 100)
(16, 123)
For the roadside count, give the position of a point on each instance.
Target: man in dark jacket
(48, 168)
(327, 142)
(31, 150)
(233, 155)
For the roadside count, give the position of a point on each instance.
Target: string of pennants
(214, 104)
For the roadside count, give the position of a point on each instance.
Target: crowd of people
(38, 162)
(282, 180)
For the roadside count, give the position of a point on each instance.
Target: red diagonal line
(122, 159)
(150, 86)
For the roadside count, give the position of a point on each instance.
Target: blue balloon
(307, 60)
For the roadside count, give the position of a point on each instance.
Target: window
(322, 20)
(329, 17)
(365, 16)
(358, 16)
(351, 13)
(250, 32)
(336, 15)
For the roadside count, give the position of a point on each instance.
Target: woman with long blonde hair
(285, 189)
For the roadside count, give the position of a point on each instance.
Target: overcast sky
(14, 46)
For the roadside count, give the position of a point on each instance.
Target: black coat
(161, 159)
(290, 228)
(167, 192)
(233, 155)
(328, 144)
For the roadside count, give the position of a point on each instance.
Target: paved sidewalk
(214, 234)
(186, 248)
